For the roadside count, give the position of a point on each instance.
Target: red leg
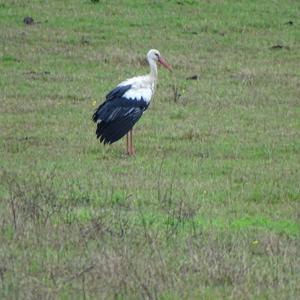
(127, 143)
(131, 142)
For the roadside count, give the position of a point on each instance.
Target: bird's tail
(110, 132)
(99, 130)
(96, 116)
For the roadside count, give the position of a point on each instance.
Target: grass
(209, 206)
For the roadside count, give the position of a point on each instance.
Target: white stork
(126, 103)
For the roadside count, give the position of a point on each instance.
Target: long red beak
(164, 63)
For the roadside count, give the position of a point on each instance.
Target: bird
(126, 103)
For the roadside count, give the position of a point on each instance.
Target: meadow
(208, 208)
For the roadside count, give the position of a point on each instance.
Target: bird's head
(154, 54)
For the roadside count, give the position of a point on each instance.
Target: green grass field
(209, 206)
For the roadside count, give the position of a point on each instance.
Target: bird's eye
(156, 54)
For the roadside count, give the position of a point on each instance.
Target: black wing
(117, 115)
(110, 132)
(102, 112)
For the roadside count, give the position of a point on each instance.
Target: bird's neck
(153, 69)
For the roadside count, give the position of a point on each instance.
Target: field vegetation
(209, 206)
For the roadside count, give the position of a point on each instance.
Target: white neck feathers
(153, 69)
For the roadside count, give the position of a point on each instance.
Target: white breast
(142, 87)
(139, 94)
